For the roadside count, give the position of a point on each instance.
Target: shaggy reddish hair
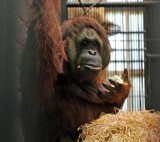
(50, 52)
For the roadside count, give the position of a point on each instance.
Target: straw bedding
(125, 126)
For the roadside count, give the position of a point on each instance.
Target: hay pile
(125, 126)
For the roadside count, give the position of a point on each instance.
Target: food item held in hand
(117, 78)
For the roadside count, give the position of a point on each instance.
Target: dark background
(10, 92)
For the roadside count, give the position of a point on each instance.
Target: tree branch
(82, 5)
(86, 10)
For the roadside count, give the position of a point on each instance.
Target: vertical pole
(10, 95)
(152, 54)
(64, 10)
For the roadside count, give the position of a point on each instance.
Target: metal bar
(113, 50)
(134, 32)
(127, 61)
(64, 12)
(115, 4)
